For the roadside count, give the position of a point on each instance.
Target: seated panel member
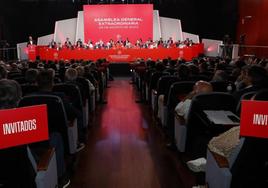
(79, 44)
(90, 44)
(170, 41)
(59, 46)
(68, 43)
(160, 42)
(52, 44)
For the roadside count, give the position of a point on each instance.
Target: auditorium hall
(133, 94)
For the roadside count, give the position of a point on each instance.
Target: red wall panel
(253, 23)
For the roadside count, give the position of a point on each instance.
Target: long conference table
(116, 54)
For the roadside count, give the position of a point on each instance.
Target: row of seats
(163, 85)
(71, 103)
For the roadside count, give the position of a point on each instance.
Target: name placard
(21, 126)
(254, 119)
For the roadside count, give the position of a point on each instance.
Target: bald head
(202, 87)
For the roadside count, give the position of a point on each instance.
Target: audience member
(182, 108)
(88, 75)
(3, 72)
(71, 75)
(225, 143)
(14, 68)
(194, 71)
(184, 72)
(80, 71)
(220, 75)
(239, 82)
(254, 78)
(45, 82)
(203, 69)
(31, 76)
(71, 78)
(16, 169)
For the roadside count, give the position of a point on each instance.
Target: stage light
(210, 49)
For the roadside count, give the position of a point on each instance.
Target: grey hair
(10, 94)
(71, 74)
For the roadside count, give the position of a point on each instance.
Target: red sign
(254, 119)
(23, 126)
(105, 22)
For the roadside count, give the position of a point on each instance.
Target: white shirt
(182, 109)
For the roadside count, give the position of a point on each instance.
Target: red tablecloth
(119, 54)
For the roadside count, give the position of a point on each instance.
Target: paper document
(222, 117)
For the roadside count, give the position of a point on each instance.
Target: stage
(115, 54)
(133, 32)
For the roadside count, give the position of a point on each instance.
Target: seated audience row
(77, 85)
(217, 84)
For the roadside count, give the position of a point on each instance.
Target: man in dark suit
(68, 43)
(30, 41)
(160, 42)
(52, 44)
(254, 80)
(170, 41)
(79, 44)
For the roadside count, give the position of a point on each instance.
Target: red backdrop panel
(107, 22)
(253, 16)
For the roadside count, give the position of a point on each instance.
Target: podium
(230, 51)
(32, 52)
